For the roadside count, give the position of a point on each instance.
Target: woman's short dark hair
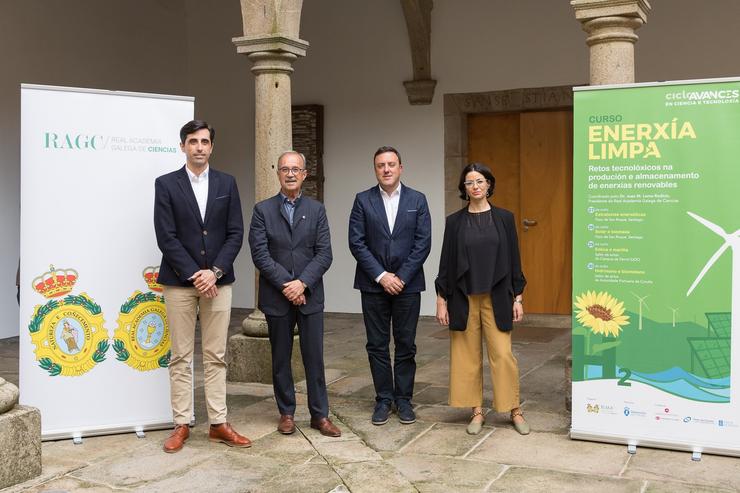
(193, 126)
(483, 170)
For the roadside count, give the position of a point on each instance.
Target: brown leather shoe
(224, 433)
(287, 424)
(326, 427)
(177, 439)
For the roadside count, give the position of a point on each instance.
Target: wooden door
(530, 154)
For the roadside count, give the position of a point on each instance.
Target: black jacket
(188, 243)
(508, 280)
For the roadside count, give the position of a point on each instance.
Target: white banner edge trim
(41, 87)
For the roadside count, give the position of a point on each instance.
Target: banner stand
(656, 277)
(94, 342)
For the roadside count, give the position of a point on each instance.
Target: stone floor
(433, 454)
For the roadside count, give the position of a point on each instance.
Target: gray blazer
(283, 252)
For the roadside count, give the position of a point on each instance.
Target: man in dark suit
(291, 248)
(199, 228)
(390, 236)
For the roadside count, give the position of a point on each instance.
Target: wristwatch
(217, 272)
(520, 301)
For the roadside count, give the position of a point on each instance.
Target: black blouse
(481, 242)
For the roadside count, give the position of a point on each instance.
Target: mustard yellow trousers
(466, 360)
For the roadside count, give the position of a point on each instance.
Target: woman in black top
(479, 293)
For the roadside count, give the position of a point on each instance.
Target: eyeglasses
(294, 171)
(471, 183)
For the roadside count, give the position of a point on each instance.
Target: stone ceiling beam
(418, 14)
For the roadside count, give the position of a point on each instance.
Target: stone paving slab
(253, 389)
(671, 487)
(290, 449)
(374, 477)
(70, 484)
(527, 480)
(343, 452)
(146, 467)
(434, 474)
(388, 437)
(538, 421)
(304, 478)
(349, 385)
(432, 395)
(446, 439)
(444, 414)
(257, 420)
(551, 451)
(229, 471)
(662, 465)
(435, 373)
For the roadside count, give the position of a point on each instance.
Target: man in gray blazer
(291, 248)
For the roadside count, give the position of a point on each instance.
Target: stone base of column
(251, 360)
(20, 442)
(569, 382)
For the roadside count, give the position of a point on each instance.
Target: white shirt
(200, 189)
(390, 202)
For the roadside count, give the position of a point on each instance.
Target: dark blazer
(508, 280)
(377, 250)
(283, 253)
(189, 243)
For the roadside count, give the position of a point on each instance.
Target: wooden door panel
(546, 143)
(493, 140)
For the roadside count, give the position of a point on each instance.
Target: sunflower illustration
(602, 313)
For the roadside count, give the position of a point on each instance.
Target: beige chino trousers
(466, 360)
(183, 305)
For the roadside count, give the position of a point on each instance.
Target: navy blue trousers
(311, 337)
(385, 314)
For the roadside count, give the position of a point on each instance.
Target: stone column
(611, 26)
(272, 59)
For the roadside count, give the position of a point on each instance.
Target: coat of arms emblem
(68, 330)
(142, 339)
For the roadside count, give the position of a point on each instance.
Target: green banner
(656, 218)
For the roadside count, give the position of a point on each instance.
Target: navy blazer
(189, 243)
(508, 279)
(376, 249)
(283, 252)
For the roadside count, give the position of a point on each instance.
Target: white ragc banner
(94, 343)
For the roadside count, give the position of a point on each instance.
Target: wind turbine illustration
(642, 302)
(732, 240)
(674, 310)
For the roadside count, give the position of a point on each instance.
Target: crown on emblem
(151, 274)
(55, 282)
